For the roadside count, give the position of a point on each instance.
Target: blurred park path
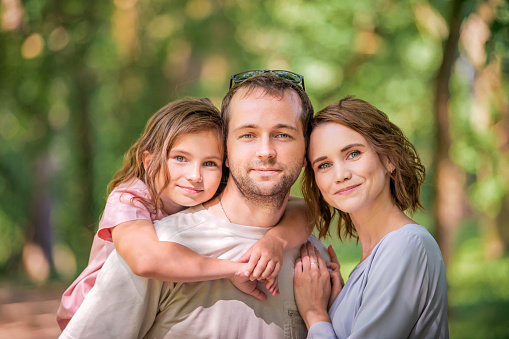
(29, 312)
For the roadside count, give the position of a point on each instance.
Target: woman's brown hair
(161, 131)
(388, 141)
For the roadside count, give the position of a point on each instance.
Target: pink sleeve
(120, 207)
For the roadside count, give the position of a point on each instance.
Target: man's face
(265, 144)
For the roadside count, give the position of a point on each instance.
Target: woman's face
(347, 169)
(195, 167)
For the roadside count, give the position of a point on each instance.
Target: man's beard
(256, 192)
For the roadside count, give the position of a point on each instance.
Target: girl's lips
(191, 190)
(347, 190)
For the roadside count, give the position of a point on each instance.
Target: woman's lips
(347, 190)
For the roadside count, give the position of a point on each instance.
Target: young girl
(176, 163)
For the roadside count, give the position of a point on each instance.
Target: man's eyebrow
(278, 126)
(344, 149)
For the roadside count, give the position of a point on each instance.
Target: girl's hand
(244, 284)
(312, 286)
(264, 259)
(335, 275)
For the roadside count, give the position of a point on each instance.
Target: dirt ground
(29, 312)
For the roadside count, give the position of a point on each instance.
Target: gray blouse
(399, 291)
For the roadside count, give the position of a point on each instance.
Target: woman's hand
(335, 276)
(312, 285)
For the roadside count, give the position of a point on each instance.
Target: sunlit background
(79, 79)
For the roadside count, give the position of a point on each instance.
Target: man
(267, 121)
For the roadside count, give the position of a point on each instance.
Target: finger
(313, 261)
(304, 255)
(258, 294)
(245, 257)
(259, 268)
(298, 267)
(268, 270)
(333, 256)
(276, 271)
(321, 263)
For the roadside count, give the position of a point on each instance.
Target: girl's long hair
(161, 132)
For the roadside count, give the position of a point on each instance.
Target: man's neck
(236, 208)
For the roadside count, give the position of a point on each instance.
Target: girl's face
(195, 167)
(348, 172)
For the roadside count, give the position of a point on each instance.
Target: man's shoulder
(167, 227)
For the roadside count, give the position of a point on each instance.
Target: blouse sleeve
(121, 207)
(321, 330)
(395, 290)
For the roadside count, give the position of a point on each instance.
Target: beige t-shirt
(123, 305)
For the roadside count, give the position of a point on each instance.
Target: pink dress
(119, 208)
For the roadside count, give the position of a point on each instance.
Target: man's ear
(226, 163)
(145, 158)
(305, 162)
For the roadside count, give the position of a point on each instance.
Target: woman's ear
(145, 158)
(390, 167)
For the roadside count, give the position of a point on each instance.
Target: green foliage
(78, 81)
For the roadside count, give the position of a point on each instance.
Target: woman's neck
(375, 222)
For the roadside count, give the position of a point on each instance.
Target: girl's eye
(209, 164)
(353, 155)
(325, 165)
(180, 158)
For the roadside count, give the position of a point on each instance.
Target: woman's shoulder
(410, 243)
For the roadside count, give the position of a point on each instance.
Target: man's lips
(266, 171)
(190, 189)
(347, 190)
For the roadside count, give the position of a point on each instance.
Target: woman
(364, 171)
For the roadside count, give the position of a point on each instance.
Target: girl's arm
(137, 243)
(265, 258)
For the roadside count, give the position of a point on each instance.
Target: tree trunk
(449, 178)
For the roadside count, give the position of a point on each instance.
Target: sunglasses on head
(293, 77)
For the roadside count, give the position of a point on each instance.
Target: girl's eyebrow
(344, 149)
(189, 153)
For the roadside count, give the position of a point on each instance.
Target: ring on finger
(314, 263)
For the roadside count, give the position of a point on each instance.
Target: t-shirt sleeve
(394, 294)
(121, 207)
(120, 305)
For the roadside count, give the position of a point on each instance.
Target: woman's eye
(180, 158)
(324, 165)
(209, 164)
(353, 155)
